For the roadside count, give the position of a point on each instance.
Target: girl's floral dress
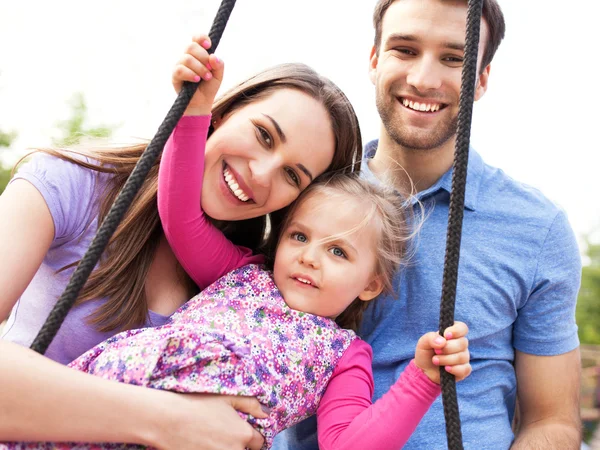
(237, 337)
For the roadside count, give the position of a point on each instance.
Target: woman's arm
(346, 418)
(203, 251)
(26, 233)
(41, 400)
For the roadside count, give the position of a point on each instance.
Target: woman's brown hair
(121, 273)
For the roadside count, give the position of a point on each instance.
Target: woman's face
(262, 155)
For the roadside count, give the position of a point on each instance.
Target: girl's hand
(195, 65)
(450, 351)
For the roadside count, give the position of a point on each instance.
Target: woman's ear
(372, 290)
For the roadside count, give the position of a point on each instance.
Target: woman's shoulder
(70, 190)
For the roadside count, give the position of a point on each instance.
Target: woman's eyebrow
(277, 128)
(305, 170)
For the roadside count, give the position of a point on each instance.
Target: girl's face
(262, 155)
(323, 278)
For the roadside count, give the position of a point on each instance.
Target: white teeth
(234, 186)
(433, 107)
(302, 280)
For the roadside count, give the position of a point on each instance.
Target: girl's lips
(302, 279)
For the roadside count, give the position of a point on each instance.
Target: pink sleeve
(346, 418)
(203, 251)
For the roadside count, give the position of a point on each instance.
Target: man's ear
(372, 290)
(482, 82)
(373, 61)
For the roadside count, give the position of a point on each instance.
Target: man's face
(417, 72)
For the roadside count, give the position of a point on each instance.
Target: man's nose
(424, 74)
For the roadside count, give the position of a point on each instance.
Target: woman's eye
(338, 252)
(265, 136)
(299, 237)
(293, 176)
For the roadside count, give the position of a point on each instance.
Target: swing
(455, 215)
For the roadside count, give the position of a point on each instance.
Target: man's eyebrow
(277, 128)
(455, 46)
(306, 171)
(411, 38)
(401, 37)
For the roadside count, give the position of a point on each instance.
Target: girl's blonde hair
(121, 274)
(389, 212)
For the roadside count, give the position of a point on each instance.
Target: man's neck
(411, 170)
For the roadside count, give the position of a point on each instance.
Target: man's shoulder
(502, 193)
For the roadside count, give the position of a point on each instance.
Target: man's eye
(404, 51)
(454, 59)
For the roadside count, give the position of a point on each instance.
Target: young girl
(50, 213)
(273, 334)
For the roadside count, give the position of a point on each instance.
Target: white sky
(536, 121)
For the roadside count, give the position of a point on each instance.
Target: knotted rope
(126, 196)
(455, 214)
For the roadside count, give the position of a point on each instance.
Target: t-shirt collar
(474, 174)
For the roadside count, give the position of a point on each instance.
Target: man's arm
(548, 399)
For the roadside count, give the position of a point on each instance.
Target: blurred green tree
(75, 128)
(5, 141)
(588, 303)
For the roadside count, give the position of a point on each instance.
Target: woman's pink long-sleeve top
(346, 417)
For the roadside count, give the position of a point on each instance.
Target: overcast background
(538, 121)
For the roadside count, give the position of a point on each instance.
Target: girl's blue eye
(299, 237)
(338, 252)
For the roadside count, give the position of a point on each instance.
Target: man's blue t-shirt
(519, 275)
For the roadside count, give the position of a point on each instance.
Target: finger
(455, 346)
(182, 73)
(203, 40)
(451, 360)
(459, 329)
(199, 66)
(431, 340)
(217, 67)
(460, 371)
(249, 405)
(257, 441)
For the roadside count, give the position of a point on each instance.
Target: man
(520, 266)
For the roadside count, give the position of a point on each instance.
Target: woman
(304, 126)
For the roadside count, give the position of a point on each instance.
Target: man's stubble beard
(424, 140)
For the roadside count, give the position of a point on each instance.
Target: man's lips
(421, 105)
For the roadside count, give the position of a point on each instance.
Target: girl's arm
(203, 251)
(346, 418)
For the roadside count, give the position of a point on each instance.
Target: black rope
(455, 214)
(126, 196)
